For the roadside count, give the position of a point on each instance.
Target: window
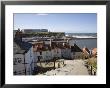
(17, 60)
(15, 73)
(40, 53)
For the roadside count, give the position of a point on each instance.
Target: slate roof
(23, 45)
(59, 45)
(75, 48)
(14, 31)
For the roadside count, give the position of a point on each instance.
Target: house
(86, 53)
(76, 52)
(14, 33)
(48, 54)
(94, 52)
(66, 51)
(42, 52)
(56, 50)
(37, 49)
(23, 57)
(45, 52)
(18, 59)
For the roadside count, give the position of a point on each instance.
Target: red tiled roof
(94, 51)
(85, 50)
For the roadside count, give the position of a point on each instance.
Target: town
(34, 49)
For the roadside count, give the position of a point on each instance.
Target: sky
(57, 22)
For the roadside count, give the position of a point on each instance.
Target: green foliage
(43, 34)
(92, 62)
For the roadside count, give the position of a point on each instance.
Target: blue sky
(57, 22)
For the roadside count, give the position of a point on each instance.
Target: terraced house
(23, 60)
(28, 54)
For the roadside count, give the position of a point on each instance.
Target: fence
(92, 70)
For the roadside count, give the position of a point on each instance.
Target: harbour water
(89, 43)
(88, 40)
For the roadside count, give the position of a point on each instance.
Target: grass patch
(92, 62)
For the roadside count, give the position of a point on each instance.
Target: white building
(56, 52)
(23, 58)
(67, 53)
(44, 55)
(76, 52)
(42, 52)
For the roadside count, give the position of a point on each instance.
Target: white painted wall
(18, 66)
(16, 47)
(35, 59)
(20, 69)
(56, 52)
(38, 54)
(59, 52)
(29, 59)
(47, 55)
(77, 55)
(66, 53)
(28, 64)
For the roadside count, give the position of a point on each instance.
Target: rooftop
(23, 45)
(75, 48)
(86, 50)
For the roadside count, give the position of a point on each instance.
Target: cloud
(42, 14)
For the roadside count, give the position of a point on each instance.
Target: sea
(88, 40)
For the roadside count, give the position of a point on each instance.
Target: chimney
(67, 40)
(63, 44)
(18, 35)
